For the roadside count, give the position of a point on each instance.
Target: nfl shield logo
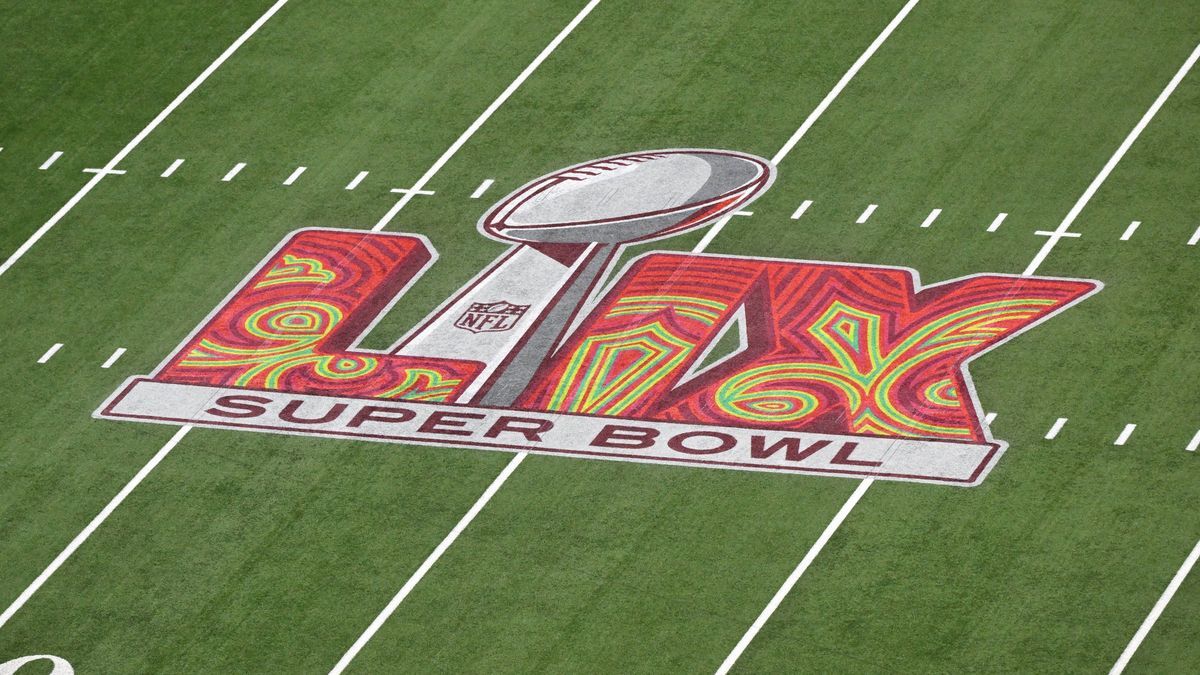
(490, 317)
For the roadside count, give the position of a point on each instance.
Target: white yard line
(294, 175)
(786, 588)
(483, 117)
(1041, 255)
(1055, 428)
(989, 418)
(1156, 611)
(51, 160)
(171, 169)
(1053, 237)
(483, 187)
(416, 577)
(866, 214)
(129, 147)
(237, 168)
(91, 527)
(409, 193)
(113, 359)
(931, 217)
(357, 179)
(1123, 437)
(816, 113)
(999, 220)
(1130, 230)
(801, 209)
(50, 352)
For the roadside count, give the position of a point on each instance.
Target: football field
(152, 155)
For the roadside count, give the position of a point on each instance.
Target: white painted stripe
(841, 84)
(482, 188)
(483, 117)
(171, 169)
(989, 418)
(1125, 434)
(997, 222)
(1156, 611)
(786, 588)
(237, 168)
(91, 527)
(113, 359)
(867, 214)
(1130, 230)
(50, 352)
(416, 577)
(357, 179)
(800, 211)
(111, 172)
(863, 486)
(931, 217)
(295, 174)
(816, 113)
(743, 213)
(1194, 443)
(1195, 238)
(124, 152)
(1055, 428)
(1112, 161)
(51, 160)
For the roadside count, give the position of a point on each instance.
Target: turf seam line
(483, 117)
(129, 147)
(428, 564)
(93, 525)
(1156, 611)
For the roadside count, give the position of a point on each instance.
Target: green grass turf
(257, 552)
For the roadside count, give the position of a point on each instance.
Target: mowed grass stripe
(85, 93)
(194, 242)
(613, 601)
(1045, 565)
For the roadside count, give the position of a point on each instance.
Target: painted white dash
(357, 179)
(483, 187)
(1194, 443)
(931, 217)
(997, 222)
(1195, 238)
(1055, 428)
(172, 168)
(743, 213)
(50, 352)
(237, 168)
(51, 160)
(800, 211)
(867, 214)
(295, 174)
(989, 418)
(113, 359)
(1130, 230)
(1125, 434)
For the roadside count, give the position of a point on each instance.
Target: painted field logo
(495, 317)
(710, 360)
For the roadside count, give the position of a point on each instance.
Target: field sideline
(950, 138)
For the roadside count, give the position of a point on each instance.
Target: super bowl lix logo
(828, 368)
